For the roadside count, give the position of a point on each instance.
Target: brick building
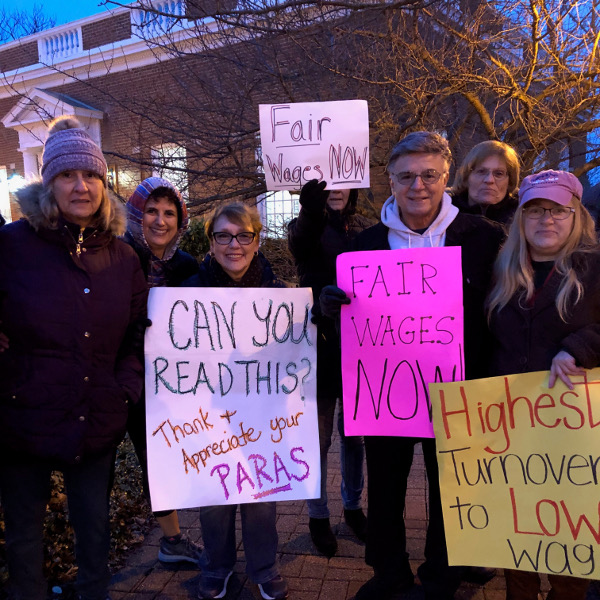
(175, 92)
(161, 96)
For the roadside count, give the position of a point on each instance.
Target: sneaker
(356, 520)
(213, 587)
(322, 536)
(276, 589)
(174, 550)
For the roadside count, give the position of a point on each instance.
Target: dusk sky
(63, 11)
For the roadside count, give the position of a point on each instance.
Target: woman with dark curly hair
(157, 219)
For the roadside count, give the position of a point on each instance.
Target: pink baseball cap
(558, 186)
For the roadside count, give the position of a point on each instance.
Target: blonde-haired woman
(544, 310)
(486, 182)
(235, 261)
(71, 298)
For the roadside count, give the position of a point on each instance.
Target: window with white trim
(278, 209)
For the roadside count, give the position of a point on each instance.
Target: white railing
(149, 24)
(60, 44)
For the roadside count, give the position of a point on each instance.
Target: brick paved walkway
(309, 575)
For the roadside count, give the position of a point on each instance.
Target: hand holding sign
(313, 196)
(327, 141)
(331, 300)
(563, 365)
(231, 396)
(402, 330)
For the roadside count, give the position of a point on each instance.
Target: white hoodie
(400, 236)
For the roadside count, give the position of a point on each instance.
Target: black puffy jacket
(72, 365)
(315, 241)
(499, 213)
(527, 338)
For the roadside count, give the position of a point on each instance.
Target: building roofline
(112, 57)
(33, 37)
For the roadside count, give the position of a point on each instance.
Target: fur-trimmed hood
(31, 200)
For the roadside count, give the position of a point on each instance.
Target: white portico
(29, 118)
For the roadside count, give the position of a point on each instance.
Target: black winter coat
(526, 339)
(480, 241)
(72, 366)
(499, 213)
(177, 269)
(315, 242)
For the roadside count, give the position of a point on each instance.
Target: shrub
(194, 241)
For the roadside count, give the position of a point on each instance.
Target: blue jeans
(352, 454)
(25, 492)
(259, 534)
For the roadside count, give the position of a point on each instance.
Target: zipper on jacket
(79, 242)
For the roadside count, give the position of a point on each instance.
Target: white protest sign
(402, 330)
(231, 413)
(315, 140)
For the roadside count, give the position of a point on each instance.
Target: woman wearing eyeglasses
(486, 182)
(234, 261)
(544, 309)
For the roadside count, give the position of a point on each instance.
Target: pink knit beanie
(69, 147)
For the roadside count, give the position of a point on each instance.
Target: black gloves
(313, 196)
(331, 300)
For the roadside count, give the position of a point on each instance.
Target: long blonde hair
(513, 272)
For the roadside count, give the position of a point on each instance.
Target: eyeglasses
(559, 213)
(497, 174)
(245, 238)
(407, 178)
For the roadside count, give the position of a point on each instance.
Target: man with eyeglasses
(419, 214)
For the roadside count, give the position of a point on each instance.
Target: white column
(30, 164)
(4, 197)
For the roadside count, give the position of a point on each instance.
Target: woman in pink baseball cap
(544, 310)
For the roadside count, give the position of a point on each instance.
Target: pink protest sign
(402, 330)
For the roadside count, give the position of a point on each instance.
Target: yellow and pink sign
(402, 330)
(519, 471)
